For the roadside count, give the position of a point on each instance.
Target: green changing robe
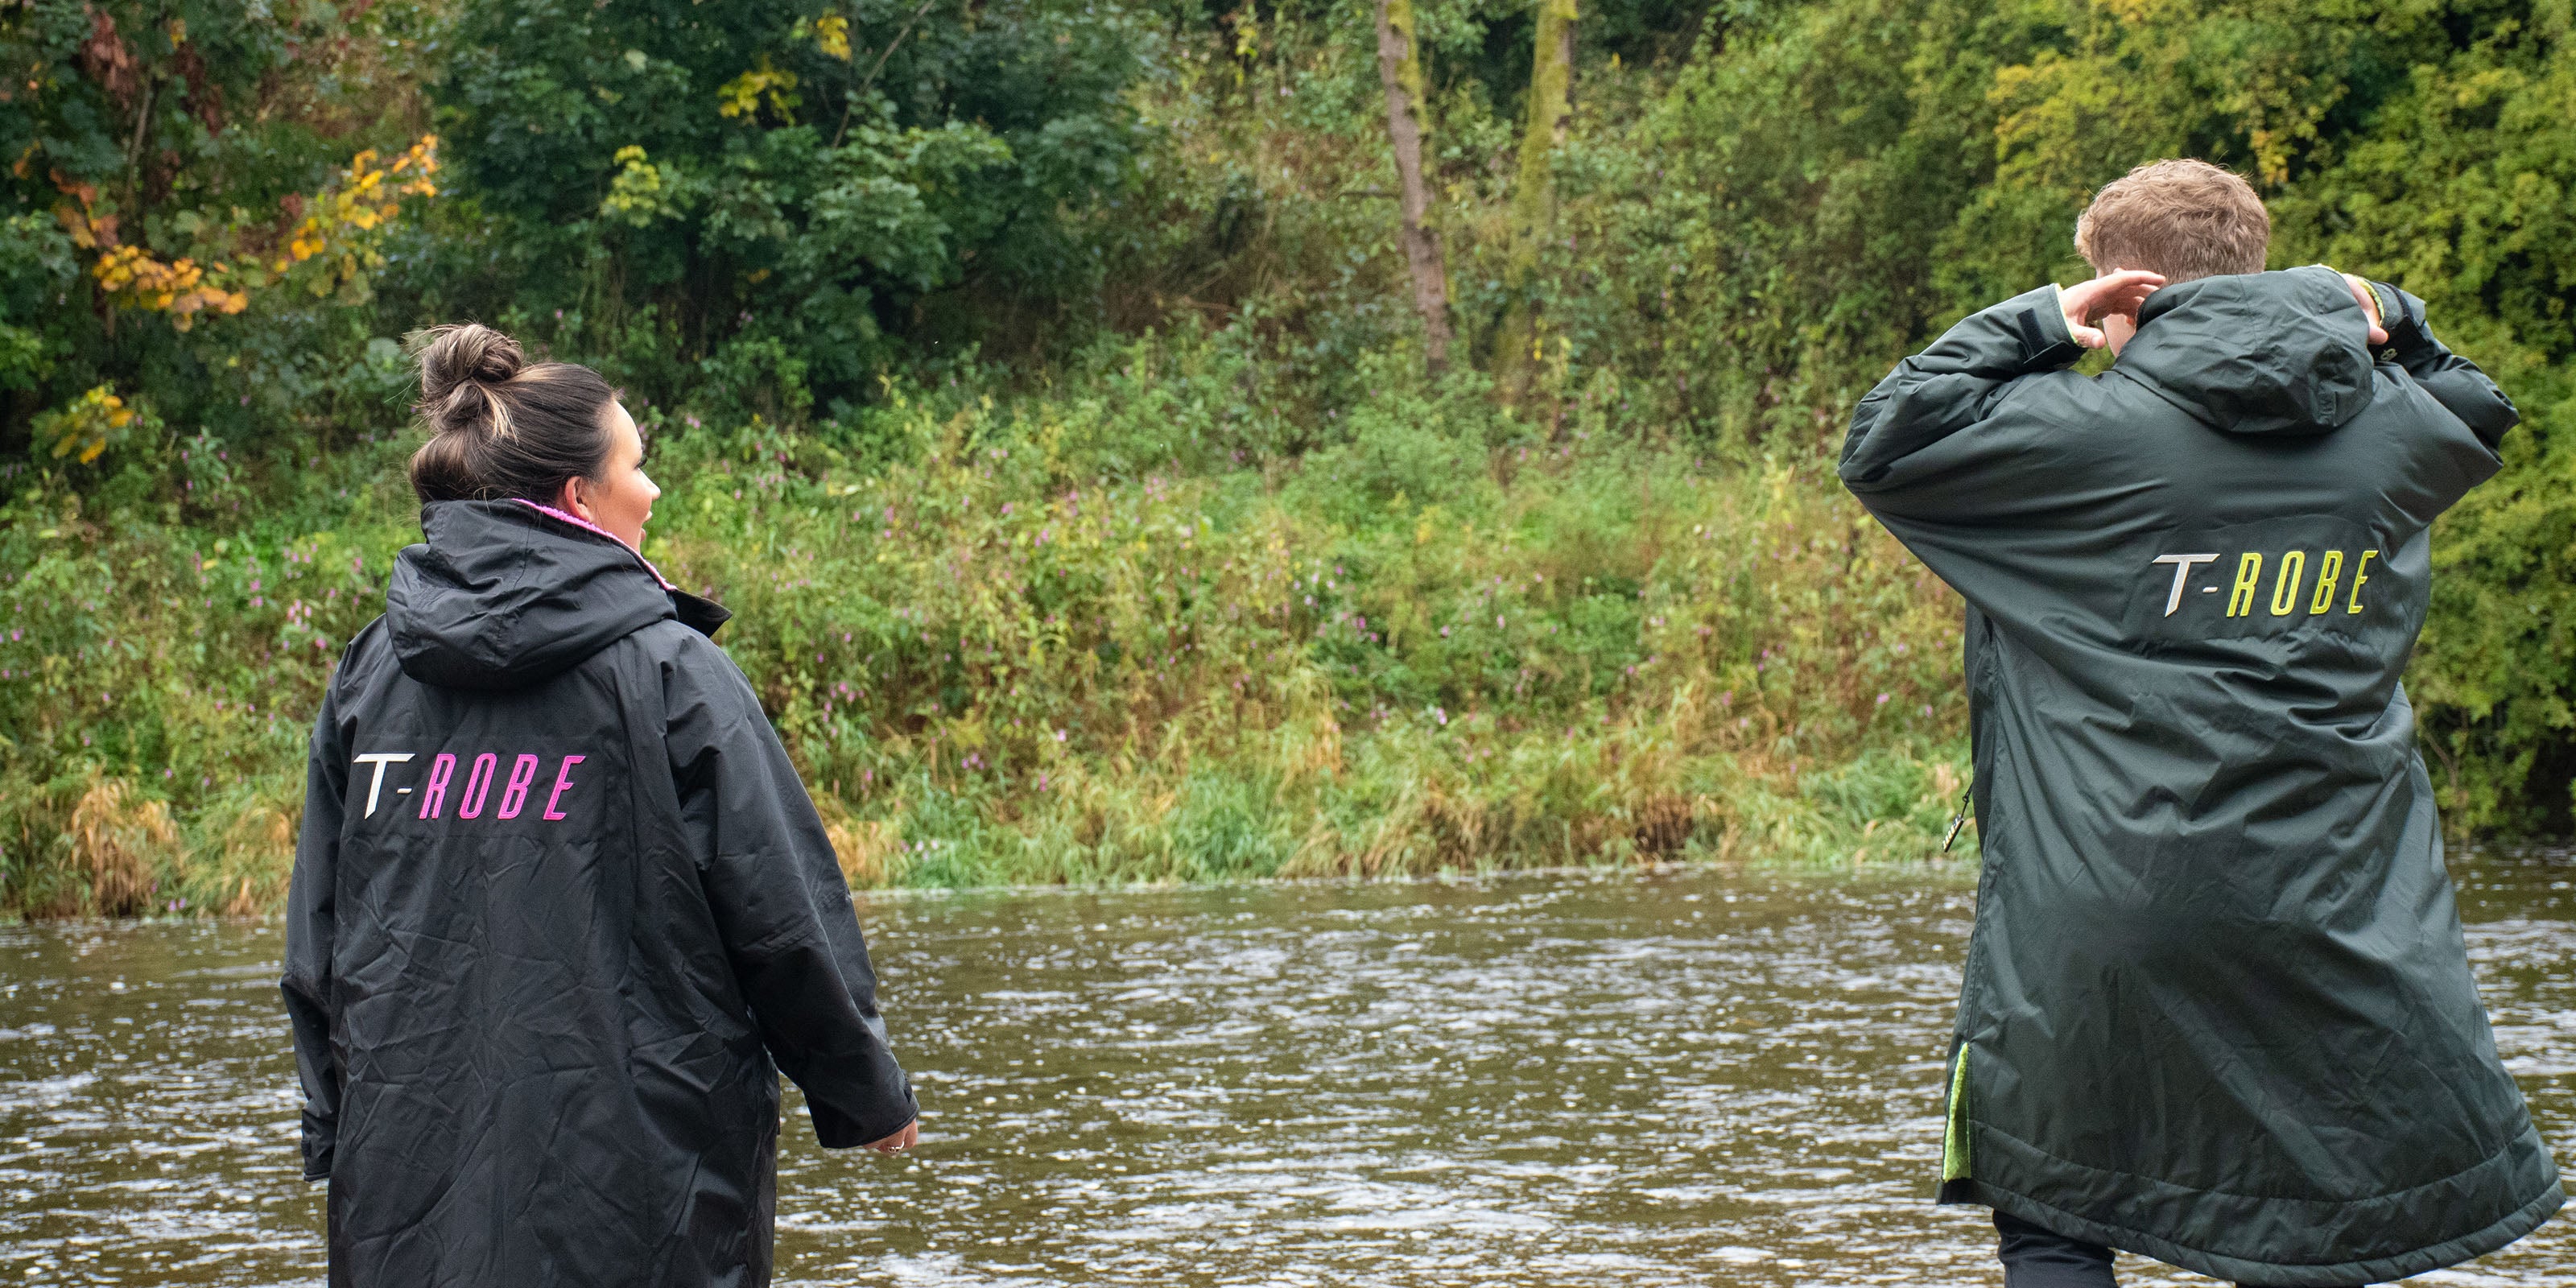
(2217, 1006)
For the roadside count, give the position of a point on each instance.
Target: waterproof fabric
(2217, 1005)
(561, 912)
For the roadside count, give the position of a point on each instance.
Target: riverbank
(1103, 495)
(1066, 638)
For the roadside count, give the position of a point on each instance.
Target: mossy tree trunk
(1399, 65)
(1534, 199)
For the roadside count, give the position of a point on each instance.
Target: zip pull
(1960, 819)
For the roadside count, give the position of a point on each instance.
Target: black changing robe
(559, 903)
(2217, 1006)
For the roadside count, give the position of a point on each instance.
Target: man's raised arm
(2454, 381)
(1954, 383)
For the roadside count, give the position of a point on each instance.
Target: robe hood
(2256, 353)
(505, 594)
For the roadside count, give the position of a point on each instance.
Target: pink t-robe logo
(476, 793)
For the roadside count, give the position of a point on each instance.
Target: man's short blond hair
(2184, 219)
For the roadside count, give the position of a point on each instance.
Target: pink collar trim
(588, 526)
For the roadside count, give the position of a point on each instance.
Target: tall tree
(1534, 199)
(1399, 65)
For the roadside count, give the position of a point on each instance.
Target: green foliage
(142, 654)
(2498, 660)
(1824, 191)
(37, 274)
(995, 662)
(192, 142)
(1028, 369)
(831, 178)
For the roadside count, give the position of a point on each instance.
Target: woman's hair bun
(499, 425)
(461, 354)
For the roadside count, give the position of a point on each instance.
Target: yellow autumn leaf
(739, 96)
(832, 34)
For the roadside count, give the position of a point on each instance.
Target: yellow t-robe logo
(2289, 580)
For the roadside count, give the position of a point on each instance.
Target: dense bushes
(1407, 654)
(1007, 644)
(1024, 369)
(785, 186)
(1750, 234)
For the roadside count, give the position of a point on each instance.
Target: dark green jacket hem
(2525, 1158)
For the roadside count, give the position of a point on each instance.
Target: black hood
(2256, 353)
(505, 594)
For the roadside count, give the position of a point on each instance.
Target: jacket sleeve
(2454, 381)
(781, 904)
(309, 932)
(1952, 386)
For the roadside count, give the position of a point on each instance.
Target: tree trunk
(1534, 200)
(1399, 65)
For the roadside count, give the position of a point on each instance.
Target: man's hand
(2369, 301)
(900, 1141)
(2118, 293)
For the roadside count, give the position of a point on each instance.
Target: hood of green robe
(2257, 353)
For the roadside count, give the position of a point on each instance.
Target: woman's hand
(900, 1141)
(2112, 294)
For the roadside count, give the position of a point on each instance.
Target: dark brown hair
(2184, 219)
(499, 425)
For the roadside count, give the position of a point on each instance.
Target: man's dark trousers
(2035, 1258)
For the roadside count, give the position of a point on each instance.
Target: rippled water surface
(1689, 1078)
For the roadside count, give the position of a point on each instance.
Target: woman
(561, 908)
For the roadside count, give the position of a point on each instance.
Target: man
(2217, 1008)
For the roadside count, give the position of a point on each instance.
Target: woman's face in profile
(621, 499)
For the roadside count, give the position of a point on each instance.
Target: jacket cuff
(2402, 316)
(321, 1141)
(2040, 325)
(837, 1130)
(2384, 297)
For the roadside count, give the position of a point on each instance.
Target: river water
(1684, 1078)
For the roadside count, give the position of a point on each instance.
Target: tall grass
(1098, 633)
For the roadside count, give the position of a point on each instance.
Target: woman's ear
(568, 499)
